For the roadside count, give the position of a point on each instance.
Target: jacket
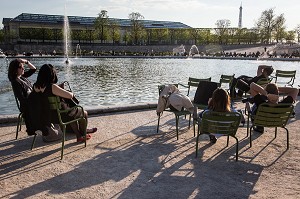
(170, 95)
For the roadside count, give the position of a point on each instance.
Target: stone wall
(35, 48)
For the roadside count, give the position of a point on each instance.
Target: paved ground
(126, 158)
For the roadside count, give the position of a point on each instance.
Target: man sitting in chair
(242, 83)
(269, 94)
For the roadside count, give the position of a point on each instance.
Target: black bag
(71, 102)
(204, 92)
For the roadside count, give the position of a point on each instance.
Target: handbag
(71, 102)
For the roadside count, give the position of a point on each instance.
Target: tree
(222, 29)
(279, 28)
(267, 23)
(290, 36)
(114, 32)
(101, 25)
(136, 26)
(2, 36)
(298, 32)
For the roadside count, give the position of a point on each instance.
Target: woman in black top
(17, 75)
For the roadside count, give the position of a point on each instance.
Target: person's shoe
(249, 99)
(212, 139)
(240, 93)
(82, 138)
(259, 129)
(92, 130)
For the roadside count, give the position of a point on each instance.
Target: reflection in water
(111, 81)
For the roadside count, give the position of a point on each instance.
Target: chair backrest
(225, 123)
(272, 115)
(193, 82)
(54, 103)
(263, 81)
(17, 101)
(286, 74)
(204, 92)
(162, 87)
(226, 79)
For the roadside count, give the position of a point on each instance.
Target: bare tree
(101, 24)
(297, 29)
(279, 28)
(222, 29)
(137, 26)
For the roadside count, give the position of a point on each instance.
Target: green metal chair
(193, 82)
(291, 75)
(204, 91)
(227, 80)
(20, 117)
(225, 123)
(55, 105)
(175, 112)
(271, 115)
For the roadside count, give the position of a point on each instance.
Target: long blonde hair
(220, 101)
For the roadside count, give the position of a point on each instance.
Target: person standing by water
(22, 87)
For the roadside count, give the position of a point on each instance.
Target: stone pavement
(126, 158)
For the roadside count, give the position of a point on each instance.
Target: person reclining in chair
(242, 83)
(269, 94)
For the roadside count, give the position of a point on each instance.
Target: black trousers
(242, 83)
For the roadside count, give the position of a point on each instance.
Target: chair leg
(158, 123)
(287, 137)
(19, 125)
(177, 131)
(250, 136)
(63, 141)
(85, 122)
(190, 122)
(275, 132)
(197, 140)
(248, 121)
(227, 140)
(33, 142)
(236, 149)
(194, 127)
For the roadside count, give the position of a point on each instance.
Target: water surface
(116, 81)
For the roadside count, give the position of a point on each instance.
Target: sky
(194, 13)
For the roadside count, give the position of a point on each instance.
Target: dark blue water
(115, 81)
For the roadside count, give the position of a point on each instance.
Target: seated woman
(46, 83)
(219, 102)
(22, 87)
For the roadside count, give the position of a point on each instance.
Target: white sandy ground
(127, 159)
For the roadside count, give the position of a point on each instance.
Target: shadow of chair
(175, 112)
(193, 82)
(281, 74)
(55, 105)
(224, 123)
(270, 115)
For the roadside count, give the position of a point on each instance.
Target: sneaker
(259, 129)
(212, 139)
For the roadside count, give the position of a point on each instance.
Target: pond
(118, 81)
